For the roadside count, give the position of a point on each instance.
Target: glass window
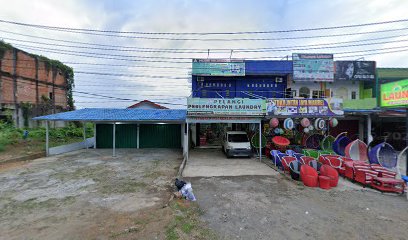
(247, 85)
(353, 95)
(237, 138)
(315, 94)
(304, 92)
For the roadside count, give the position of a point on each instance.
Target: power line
(199, 33)
(156, 50)
(97, 55)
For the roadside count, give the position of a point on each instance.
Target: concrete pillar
(47, 151)
(114, 140)
(361, 129)
(369, 136)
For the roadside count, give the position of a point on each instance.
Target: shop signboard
(218, 67)
(319, 107)
(354, 70)
(394, 94)
(225, 107)
(313, 67)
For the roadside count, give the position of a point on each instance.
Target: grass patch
(31, 205)
(186, 222)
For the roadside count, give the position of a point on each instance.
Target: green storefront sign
(394, 94)
(225, 107)
(218, 67)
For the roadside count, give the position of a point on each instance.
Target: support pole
(84, 133)
(406, 141)
(260, 141)
(187, 143)
(114, 140)
(369, 136)
(138, 136)
(94, 135)
(47, 151)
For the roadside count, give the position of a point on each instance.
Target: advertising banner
(321, 107)
(218, 67)
(225, 107)
(354, 70)
(394, 94)
(313, 67)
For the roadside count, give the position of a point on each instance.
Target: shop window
(304, 92)
(229, 85)
(227, 93)
(264, 85)
(315, 94)
(247, 85)
(322, 94)
(204, 93)
(252, 85)
(353, 95)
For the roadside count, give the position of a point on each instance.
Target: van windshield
(237, 138)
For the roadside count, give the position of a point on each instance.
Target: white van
(236, 144)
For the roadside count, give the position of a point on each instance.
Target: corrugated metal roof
(113, 114)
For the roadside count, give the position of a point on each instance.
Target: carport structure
(127, 128)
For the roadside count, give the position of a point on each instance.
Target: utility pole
(17, 119)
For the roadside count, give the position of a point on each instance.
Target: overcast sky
(172, 84)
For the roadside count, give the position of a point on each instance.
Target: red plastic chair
(349, 170)
(330, 172)
(335, 162)
(324, 182)
(309, 176)
(286, 161)
(306, 159)
(364, 174)
(382, 171)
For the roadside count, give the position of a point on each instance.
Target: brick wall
(27, 80)
(48, 79)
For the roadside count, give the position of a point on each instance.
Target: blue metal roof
(268, 67)
(118, 115)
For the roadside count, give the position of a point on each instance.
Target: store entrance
(211, 134)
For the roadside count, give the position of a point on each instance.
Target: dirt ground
(90, 195)
(274, 207)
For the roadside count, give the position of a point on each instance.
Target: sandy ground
(274, 207)
(89, 195)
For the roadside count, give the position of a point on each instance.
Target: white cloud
(192, 16)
